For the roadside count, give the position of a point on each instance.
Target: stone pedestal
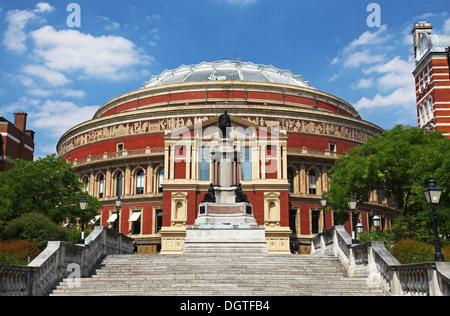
(225, 225)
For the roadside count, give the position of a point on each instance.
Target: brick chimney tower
(20, 120)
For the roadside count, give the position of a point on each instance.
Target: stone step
(217, 274)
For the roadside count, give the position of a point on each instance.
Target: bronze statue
(211, 195)
(224, 124)
(240, 196)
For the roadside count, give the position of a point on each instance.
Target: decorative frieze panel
(168, 124)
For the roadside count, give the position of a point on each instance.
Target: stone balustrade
(59, 260)
(372, 260)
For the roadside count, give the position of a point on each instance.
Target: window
(205, 164)
(120, 148)
(312, 182)
(246, 164)
(315, 216)
(140, 182)
(119, 183)
(101, 186)
(332, 147)
(428, 72)
(159, 217)
(430, 108)
(160, 180)
(135, 220)
(86, 185)
(291, 176)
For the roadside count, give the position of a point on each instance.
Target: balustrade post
(396, 286)
(433, 282)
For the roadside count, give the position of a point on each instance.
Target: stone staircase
(217, 274)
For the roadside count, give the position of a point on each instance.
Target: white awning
(95, 219)
(135, 216)
(112, 218)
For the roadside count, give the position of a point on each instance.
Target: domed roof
(227, 70)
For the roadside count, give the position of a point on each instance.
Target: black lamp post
(433, 195)
(118, 205)
(83, 207)
(323, 202)
(352, 207)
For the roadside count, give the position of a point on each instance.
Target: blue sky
(60, 74)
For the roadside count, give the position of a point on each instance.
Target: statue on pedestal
(211, 195)
(224, 123)
(240, 196)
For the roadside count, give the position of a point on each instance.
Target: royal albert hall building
(153, 148)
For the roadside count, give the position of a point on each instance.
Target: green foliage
(413, 251)
(398, 163)
(17, 252)
(47, 186)
(36, 228)
(388, 236)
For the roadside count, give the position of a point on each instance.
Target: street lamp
(359, 228)
(352, 206)
(376, 221)
(83, 207)
(323, 202)
(118, 205)
(433, 195)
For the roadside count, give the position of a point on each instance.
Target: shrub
(413, 251)
(35, 228)
(17, 252)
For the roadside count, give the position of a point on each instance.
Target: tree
(46, 186)
(398, 163)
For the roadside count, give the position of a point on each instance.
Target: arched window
(312, 182)
(160, 180)
(291, 176)
(430, 108)
(119, 183)
(86, 185)
(421, 118)
(101, 186)
(246, 164)
(140, 182)
(205, 164)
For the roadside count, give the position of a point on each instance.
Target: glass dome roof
(226, 70)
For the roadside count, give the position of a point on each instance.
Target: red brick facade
(432, 78)
(16, 141)
(151, 140)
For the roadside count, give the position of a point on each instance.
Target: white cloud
(369, 38)
(447, 26)
(396, 73)
(53, 77)
(363, 83)
(362, 57)
(105, 57)
(56, 116)
(15, 36)
(44, 7)
(401, 97)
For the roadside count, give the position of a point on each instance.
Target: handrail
(372, 260)
(60, 260)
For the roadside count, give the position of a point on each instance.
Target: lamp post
(83, 207)
(359, 228)
(352, 206)
(118, 205)
(433, 195)
(323, 203)
(376, 221)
